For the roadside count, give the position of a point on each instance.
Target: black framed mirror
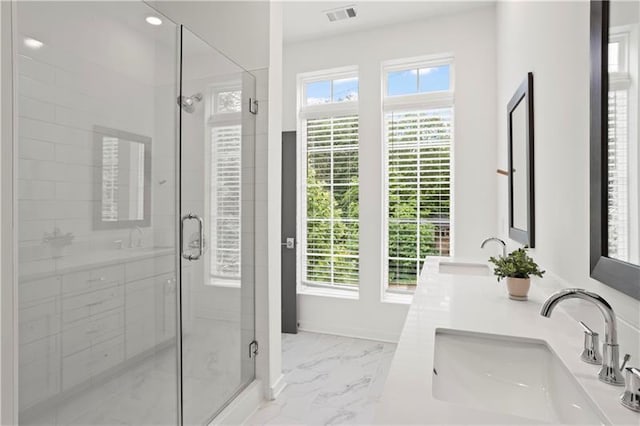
(614, 145)
(521, 185)
(122, 179)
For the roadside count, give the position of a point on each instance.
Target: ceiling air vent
(341, 13)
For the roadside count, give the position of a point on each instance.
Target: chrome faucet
(610, 372)
(139, 243)
(497, 240)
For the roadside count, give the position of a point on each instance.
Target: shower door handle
(191, 216)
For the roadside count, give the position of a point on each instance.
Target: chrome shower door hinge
(253, 349)
(253, 106)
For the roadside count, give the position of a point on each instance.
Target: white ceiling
(306, 20)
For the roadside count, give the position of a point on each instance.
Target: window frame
(309, 112)
(406, 103)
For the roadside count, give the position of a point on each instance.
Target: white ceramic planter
(518, 288)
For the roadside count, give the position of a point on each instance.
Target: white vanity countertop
(480, 304)
(99, 259)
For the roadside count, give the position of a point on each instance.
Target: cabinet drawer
(84, 305)
(93, 330)
(149, 267)
(85, 364)
(38, 290)
(91, 280)
(39, 371)
(39, 320)
(106, 355)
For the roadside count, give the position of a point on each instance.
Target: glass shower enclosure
(134, 190)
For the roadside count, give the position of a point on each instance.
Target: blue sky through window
(345, 89)
(402, 82)
(434, 79)
(320, 92)
(424, 80)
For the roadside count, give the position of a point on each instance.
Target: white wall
(470, 37)
(239, 29)
(552, 41)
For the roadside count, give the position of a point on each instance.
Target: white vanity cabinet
(79, 325)
(39, 338)
(92, 323)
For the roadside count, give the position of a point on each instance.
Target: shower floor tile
(330, 380)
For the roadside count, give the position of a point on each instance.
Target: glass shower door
(97, 222)
(217, 147)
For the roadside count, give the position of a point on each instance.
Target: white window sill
(322, 291)
(397, 297)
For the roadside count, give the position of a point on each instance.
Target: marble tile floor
(330, 380)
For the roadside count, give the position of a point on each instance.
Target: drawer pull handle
(94, 280)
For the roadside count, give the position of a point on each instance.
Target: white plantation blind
(618, 174)
(418, 152)
(109, 179)
(225, 200)
(330, 220)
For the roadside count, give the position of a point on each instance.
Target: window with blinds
(225, 197)
(618, 160)
(330, 201)
(225, 187)
(332, 234)
(418, 143)
(418, 191)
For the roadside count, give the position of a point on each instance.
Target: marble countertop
(98, 259)
(479, 304)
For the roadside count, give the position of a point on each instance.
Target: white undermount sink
(510, 375)
(463, 268)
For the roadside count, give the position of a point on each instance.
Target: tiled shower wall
(61, 96)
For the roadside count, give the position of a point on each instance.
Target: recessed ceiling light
(32, 43)
(153, 20)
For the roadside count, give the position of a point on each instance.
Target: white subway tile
(36, 190)
(79, 227)
(35, 70)
(33, 108)
(74, 154)
(34, 230)
(78, 191)
(74, 117)
(32, 149)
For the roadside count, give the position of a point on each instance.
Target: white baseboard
(242, 407)
(350, 332)
(277, 387)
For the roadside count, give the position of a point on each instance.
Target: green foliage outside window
(418, 214)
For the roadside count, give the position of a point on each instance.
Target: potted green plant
(517, 267)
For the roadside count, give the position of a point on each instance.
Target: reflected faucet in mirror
(139, 242)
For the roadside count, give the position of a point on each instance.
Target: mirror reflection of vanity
(615, 145)
(123, 179)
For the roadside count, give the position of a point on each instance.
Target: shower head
(188, 103)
